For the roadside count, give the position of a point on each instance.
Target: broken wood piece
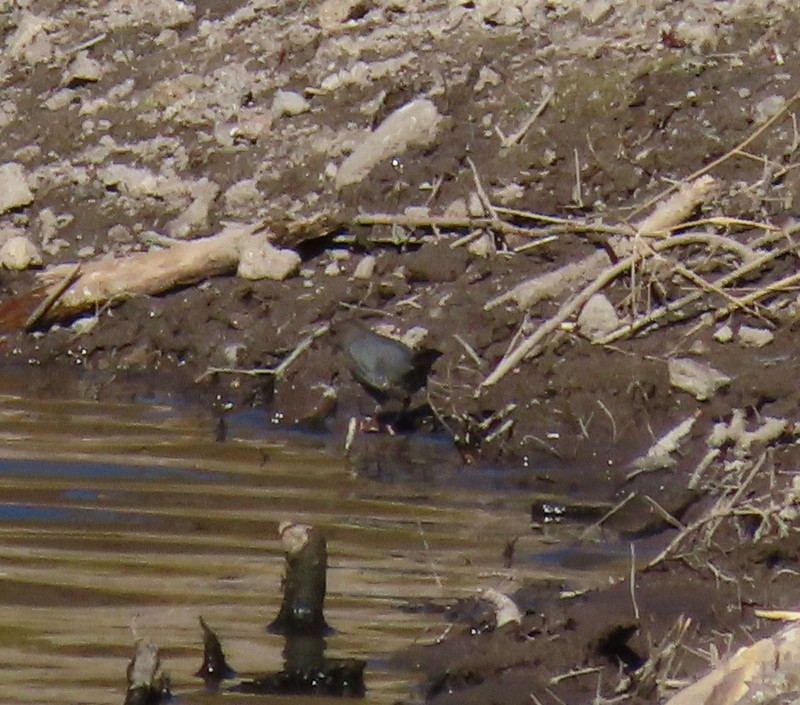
(147, 684)
(215, 668)
(762, 672)
(304, 583)
(144, 273)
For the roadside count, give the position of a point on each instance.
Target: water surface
(121, 521)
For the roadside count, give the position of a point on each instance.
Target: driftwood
(145, 273)
(68, 290)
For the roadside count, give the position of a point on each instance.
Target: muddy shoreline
(551, 129)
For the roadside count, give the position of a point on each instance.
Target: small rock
(242, 198)
(755, 337)
(60, 99)
(84, 325)
(14, 190)
(251, 126)
(417, 212)
(483, 246)
(260, 259)
(487, 77)
(415, 123)
(19, 253)
(724, 334)
(771, 105)
(289, 103)
(82, 69)
(697, 378)
(333, 13)
(475, 206)
(595, 10)
(332, 269)
(508, 194)
(365, 268)
(195, 217)
(698, 348)
(456, 209)
(598, 318)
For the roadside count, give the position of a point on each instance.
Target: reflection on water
(117, 520)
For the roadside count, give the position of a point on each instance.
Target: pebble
(260, 259)
(755, 337)
(724, 334)
(14, 190)
(598, 318)
(18, 252)
(697, 378)
(289, 103)
(365, 268)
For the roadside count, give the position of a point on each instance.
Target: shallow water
(120, 521)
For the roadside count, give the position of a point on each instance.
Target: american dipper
(385, 367)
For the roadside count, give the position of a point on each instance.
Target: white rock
(415, 123)
(418, 212)
(771, 105)
(19, 253)
(755, 337)
(260, 259)
(598, 318)
(242, 197)
(29, 41)
(483, 246)
(594, 10)
(332, 13)
(486, 77)
(195, 217)
(14, 190)
(83, 68)
(60, 99)
(158, 13)
(289, 103)
(365, 268)
(723, 334)
(475, 206)
(697, 378)
(84, 325)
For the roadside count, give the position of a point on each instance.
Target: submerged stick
(147, 685)
(215, 667)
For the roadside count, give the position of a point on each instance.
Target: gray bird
(385, 367)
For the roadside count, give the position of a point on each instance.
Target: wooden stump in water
(304, 582)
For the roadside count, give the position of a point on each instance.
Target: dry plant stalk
(667, 215)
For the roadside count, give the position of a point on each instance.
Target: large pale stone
(14, 190)
(260, 259)
(415, 123)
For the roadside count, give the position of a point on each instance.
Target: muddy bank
(543, 137)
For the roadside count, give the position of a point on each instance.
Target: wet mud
(639, 100)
